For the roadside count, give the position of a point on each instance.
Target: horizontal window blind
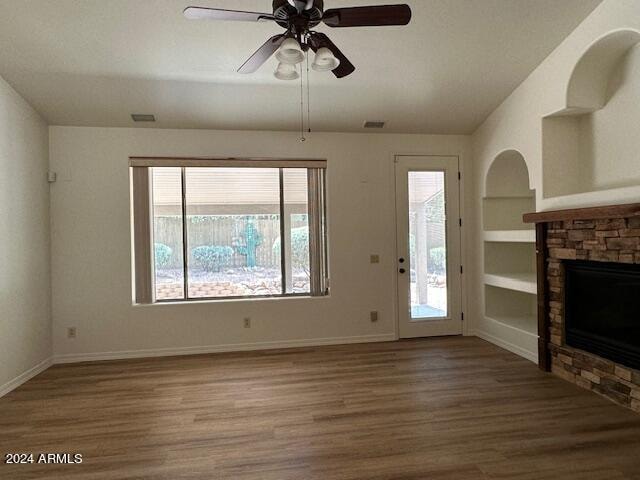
(225, 162)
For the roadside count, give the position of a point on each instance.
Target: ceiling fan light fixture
(290, 52)
(301, 5)
(325, 60)
(286, 71)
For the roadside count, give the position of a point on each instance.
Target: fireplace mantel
(595, 234)
(589, 213)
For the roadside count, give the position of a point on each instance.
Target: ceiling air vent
(370, 124)
(142, 117)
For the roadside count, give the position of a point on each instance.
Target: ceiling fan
(299, 17)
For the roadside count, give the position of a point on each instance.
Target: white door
(428, 246)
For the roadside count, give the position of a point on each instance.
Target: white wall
(517, 124)
(25, 323)
(91, 257)
(609, 147)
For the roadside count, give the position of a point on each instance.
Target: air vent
(142, 117)
(370, 124)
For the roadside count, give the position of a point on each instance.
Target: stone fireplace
(588, 263)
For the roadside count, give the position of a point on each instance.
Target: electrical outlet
(71, 332)
(247, 322)
(373, 316)
(374, 259)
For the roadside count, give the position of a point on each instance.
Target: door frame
(463, 243)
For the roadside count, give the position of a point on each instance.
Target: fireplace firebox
(602, 309)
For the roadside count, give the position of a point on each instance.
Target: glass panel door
(428, 239)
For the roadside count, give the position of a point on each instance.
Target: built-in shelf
(528, 197)
(520, 282)
(510, 301)
(528, 236)
(512, 262)
(505, 212)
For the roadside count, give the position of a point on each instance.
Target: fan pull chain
(302, 139)
(308, 97)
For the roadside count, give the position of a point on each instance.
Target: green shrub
(438, 260)
(163, 254)
(212, 258)
(299, 248)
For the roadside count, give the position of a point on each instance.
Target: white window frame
(142, 223)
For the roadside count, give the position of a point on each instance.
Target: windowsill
(230, 300)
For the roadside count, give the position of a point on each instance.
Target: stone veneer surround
(601, 240)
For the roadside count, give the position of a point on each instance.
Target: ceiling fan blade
(372, 16)
(318, 40)
(205, 13)
(263, 54)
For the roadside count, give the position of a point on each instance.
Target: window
(211, 229)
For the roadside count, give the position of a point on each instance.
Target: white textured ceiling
(93, 62)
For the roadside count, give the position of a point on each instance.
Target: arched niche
(507, 193)
(592, 144)
(588, 87)
(509, 164)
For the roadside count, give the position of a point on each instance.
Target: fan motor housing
(287, 15)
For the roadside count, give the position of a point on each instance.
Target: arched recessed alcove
(593, 144)
(509, 255)
(587, 89)
(507, 193)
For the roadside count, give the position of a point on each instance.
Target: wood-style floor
(448, 408)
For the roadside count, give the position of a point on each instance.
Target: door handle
(402, 270)
(401, 260)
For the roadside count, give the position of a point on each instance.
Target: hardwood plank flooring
(445, 408)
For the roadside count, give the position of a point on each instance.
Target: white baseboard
(234, 347)
(532, 356)
(23, 377)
